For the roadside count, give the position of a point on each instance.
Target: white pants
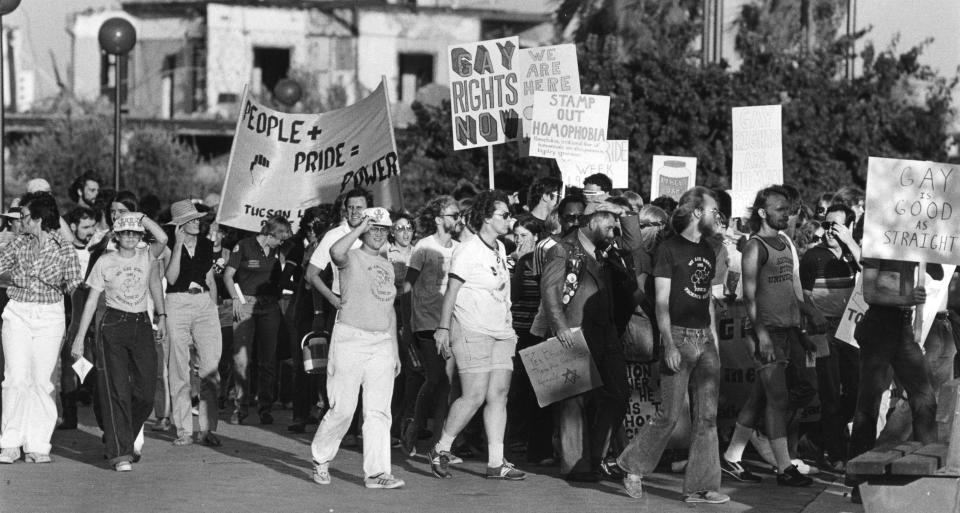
(32, 333)
(358, 358)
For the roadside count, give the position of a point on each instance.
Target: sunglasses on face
(503, 215)
(379, 229)
(403, 228)
(572, 218)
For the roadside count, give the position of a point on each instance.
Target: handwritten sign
(282, 163)
(910, 212)
(672, 176)
(613, 164)
(553, 69)
(569, 126)
(741, 203)
(484, 92)
(557, 373)
(757, 148)
(937, 291)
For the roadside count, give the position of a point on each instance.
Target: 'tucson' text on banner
(282, 164)
(484, 92)
(912, 211)
(569, 126)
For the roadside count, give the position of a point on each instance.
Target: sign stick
(918, 318)
(490, 166)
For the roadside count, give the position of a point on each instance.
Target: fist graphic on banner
(258, 169)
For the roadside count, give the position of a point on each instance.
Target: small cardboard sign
(557, 373)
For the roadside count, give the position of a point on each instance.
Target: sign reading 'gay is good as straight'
(484, 92)
(912, 211)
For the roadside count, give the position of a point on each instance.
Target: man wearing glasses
(426, 282)
(544, 196)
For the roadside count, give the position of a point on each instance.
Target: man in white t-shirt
(354, 202)
(425, 283)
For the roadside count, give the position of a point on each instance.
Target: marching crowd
(422, 317)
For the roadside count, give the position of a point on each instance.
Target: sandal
(210, 440)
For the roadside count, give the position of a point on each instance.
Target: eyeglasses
(379, 229)
(403, 228)
(503, 215)
(651, 225)
(455, 216)
(572, 218)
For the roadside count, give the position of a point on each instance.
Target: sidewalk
(263, 468)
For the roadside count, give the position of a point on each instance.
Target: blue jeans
(699, 367)
(886, 340)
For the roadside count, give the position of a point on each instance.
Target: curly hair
(484, 206)
(42, 206)
(426, 223)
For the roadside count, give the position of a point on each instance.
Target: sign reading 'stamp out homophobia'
(613, 164)
(553, 69)
(569, 126)
(912, 211)
(484, 92)
(281, 164)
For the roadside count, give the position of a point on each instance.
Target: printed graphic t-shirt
(367, 292)
(691, 267)
(124, 281)
(432, 261)
(483, 303)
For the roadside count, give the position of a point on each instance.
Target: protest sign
(569, 126)
(757, 152)
(484, 92)
(909, 211)
(937, 291)
(646, 402)
(672, 176)
(545, 68)
(613, 164)
(741, 203)
(556, 372)
(282, 164)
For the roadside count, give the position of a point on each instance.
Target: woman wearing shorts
(476, 328)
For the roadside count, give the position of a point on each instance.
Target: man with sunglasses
(544, 196)
(426, 282)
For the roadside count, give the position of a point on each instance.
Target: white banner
(281, 164)
(569, 126)
(613, 164)
(484, 92)
(757, 150)
(672, 176)
(546, 68)
(909, 211)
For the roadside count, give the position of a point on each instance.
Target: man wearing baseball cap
(192, 319)
(363, 352)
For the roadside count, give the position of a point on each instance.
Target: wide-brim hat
(184, 211)
(14, 211)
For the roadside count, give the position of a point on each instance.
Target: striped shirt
(828, 278)
(40, 272)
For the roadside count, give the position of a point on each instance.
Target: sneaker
(455, 460)
(321, 473)
(632, 483)
(735, 470)
(183, 439)
(804, 468)
(137, 456)
(440, 463)
(35, 457)
(707, 497)
(9, 455)
(610, 470)
(408, 437)
(792, 477)
(383, 481)
(506, 471)
(123, 466)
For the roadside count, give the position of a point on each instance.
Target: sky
(44, 24)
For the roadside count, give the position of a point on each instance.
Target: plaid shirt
(40, 274)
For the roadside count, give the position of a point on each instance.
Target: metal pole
(3, 146)
(116, 123)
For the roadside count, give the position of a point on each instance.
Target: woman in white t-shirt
(126, 350)
(476, 328)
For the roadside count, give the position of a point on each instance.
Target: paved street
(265, 469)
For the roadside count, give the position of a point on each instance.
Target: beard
(707, 228)
(778, 224)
